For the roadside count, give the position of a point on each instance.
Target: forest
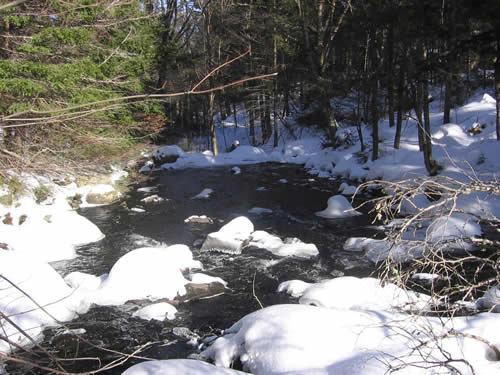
(87, 80)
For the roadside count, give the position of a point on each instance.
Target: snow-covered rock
(347, 189)
(146, 273)
(309, 340)
(230, 237)
(290, 247)
(355, 293)
(338, 207)
(157, 311)
(204, 194)
(178, 367)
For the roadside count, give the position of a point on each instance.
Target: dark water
(255, 272)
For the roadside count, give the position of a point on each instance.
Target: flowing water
(253, 276)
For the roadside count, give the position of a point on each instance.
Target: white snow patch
(290, 247)
(355, 294)
(230, 237)
(178, 367)
(146, 273)
(156, 311)
(43, 285)
(338, 207)
(204, 194)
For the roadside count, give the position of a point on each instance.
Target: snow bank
(300, 339)
(338, 207)
(47, 232)
(44, 299)
(178, 367)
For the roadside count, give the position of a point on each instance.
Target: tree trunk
(211, 112)
(430, 164)
(374, 117)
(251, 119)
(235, 114)
(401, 102)
(389, 75)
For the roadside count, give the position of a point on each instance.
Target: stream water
(253, 276)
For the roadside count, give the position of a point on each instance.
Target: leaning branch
(25, 118)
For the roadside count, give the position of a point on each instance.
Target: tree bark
(211, 112)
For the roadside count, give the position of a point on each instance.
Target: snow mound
(338, 207)
(381, 250)
(230, 237)
(347, 189)
(146, 273)
(290, 247)
(178, 367)
(49, 233)
(55, 300)
(300, 339)
(157, 311)
(355, 294)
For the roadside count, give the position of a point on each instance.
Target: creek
(253, 276)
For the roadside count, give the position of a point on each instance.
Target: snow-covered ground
(340, 326)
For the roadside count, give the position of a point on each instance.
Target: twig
(253, 291)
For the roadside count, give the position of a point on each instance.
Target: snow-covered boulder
(167, 154)
(178, 367)
(355, 293)
(230, 237)
(309, 340)
(156, 311)
(146, 273)
(48, 233)
(347, 189)
(290, 247)
(338, 207)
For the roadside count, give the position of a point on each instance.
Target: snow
(490, 300)
(290, 247)
(201, 278)
(49, 233)
(178, 367)
(230, 237)
(146, 273)
(355, 294)
(260, 211)
(37, 281)
(204, 194)
(157, 311)
(347, 189)
(338, 207)
(303, 339)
